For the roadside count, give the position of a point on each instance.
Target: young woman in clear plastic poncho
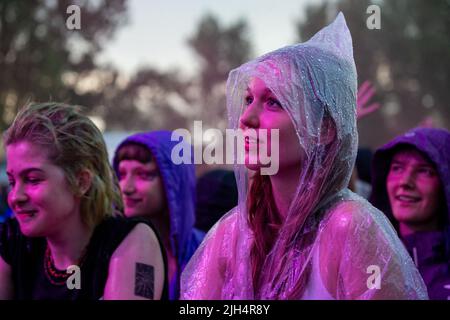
(300, 234)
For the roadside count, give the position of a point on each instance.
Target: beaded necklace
(55, 276)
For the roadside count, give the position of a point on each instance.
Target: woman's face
(39, 195)
(142, 189)
(414, 189)
(263, 112)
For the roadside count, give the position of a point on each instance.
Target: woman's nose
(250, 117)
(407, 179)
(17, 195)
(127, 185)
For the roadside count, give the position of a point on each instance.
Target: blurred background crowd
(112, 68)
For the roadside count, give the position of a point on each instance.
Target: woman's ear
(84, 180)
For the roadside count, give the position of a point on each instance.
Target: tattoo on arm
(144, 285)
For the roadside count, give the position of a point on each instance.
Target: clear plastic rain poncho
(355, 252)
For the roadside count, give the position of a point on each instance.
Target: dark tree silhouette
(408, 60)
(38, 53)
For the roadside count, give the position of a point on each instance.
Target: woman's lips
(26, 212)
(407, 199)
(248, 142)
(25, 215)
(129, 202)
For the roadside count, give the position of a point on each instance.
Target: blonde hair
(73, 143)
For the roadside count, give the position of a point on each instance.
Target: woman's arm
(136, 269)
(6, 285)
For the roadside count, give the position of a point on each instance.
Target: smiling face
(39, 196)
(264, 111)
(414, 190)
(142, 189)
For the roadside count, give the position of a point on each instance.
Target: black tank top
(26, 257)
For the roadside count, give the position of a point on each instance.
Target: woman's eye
(147, 175)
(427, 172)
(272, 102)
(396, 168)
(248, 100)
(33, 180)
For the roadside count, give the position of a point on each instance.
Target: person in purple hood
(411, 185)
(154, 187)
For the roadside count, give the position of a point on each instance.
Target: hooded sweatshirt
(179, 186)
(430, 250)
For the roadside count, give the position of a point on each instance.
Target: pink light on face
(414, 188)
(142, 188)
(264, 111)
(40, 196)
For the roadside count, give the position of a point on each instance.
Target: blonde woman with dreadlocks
(67, 240)
(300, 233)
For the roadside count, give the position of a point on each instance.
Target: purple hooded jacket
(430, 250)
(179, 184)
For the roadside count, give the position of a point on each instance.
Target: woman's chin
(251, 162)
(31, 232)
(253, 166)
